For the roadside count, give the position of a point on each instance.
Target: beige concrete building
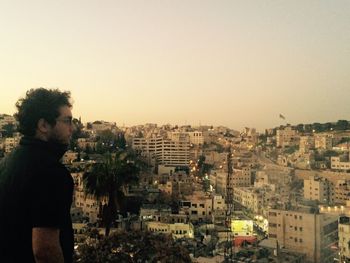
(286, 137)
(198, 207)
(218, 179)
(317, 188)
(305, 231)
(177, 230)
(10, 143)
(242, 177)
(338, 164)
(88, 204)
(250, 198)
(306, 144)
(323, 142)
(84, 143)
(98, 126)
(341, 192)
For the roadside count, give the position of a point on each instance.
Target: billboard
(242, 227)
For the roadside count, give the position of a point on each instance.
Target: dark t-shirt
(35, 191)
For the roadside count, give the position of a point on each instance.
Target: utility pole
(228, 253)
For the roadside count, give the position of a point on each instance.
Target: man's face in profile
(62, 131)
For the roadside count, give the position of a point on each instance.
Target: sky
(228, 62)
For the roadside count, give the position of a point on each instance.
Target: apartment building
(242, 177)
(317, 188)
(341, 192)
(6, 119)
(196, 137)
(306, 231)
(254, 199)
(98, 126)
(158, 218)
(218, 179)
(250, 198)
(84, 143)
(286, 137)
(344, 239)
(338, 164)
(323, 142)
(88, 204)
(306, 143)
(10, 143)
(198, 207)
(177, 230)
(159, 150)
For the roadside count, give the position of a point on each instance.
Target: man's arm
(46, 245)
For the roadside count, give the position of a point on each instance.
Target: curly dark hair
(40, 103)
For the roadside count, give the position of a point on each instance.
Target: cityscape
(219, 194)
(202, 131)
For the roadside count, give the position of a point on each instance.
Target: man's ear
(43, 126)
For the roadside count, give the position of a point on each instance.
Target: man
(35, 188)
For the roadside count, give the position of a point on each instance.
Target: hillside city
(169, 193)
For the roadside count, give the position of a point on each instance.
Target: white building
(159, 150)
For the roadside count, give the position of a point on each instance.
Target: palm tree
(108, 179)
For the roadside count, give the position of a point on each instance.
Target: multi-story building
(306, 231)
(88, 204)
(317, 188)
(102, 125)
(338, 164)
(242, 177)
(7, 119)
(306, 144)
(159, 218)
(177, 230)
(84, 144)
(10, 143)
(341, 192)
(286, 137)
(159, 150)
(323, 142)
(344, 239)
(218, 179)
(255, 199)
(250, 198)
(198, 206)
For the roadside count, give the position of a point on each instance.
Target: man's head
(45, 114)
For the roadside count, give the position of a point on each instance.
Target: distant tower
(229, 202)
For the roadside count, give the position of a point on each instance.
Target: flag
(282, 117)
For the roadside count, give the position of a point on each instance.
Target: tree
(341, 125)
(135, 246)
(121, 142)
(8, 129)
(109, 179)
(317, 127)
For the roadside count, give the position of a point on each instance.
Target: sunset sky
(232, 63)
